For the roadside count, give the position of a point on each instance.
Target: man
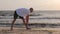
(23, 14)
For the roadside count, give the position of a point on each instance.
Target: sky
(36, 4)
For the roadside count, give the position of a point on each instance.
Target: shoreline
(6, 30)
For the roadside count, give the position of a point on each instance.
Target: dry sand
(6, 30)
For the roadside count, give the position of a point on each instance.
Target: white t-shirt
(23, 12)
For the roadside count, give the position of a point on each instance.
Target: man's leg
(12, 24)
(26, 24)
(15, 17)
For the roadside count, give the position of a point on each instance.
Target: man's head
(31, 9)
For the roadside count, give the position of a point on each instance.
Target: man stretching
(23, 14)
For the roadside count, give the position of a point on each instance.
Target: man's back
(22, 12)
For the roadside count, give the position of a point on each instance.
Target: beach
(41, 22)
(6, 30)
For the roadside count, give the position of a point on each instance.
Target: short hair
(31, 8)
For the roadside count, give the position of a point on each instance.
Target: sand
(6, 30)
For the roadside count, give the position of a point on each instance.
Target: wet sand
(6, 30)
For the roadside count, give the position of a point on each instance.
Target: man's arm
(27, 19)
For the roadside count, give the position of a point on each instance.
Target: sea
(38, 18)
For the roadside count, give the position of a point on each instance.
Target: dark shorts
(16, 15)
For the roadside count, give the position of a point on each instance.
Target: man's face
(31, 9)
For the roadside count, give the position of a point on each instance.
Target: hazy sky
(36, 4)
